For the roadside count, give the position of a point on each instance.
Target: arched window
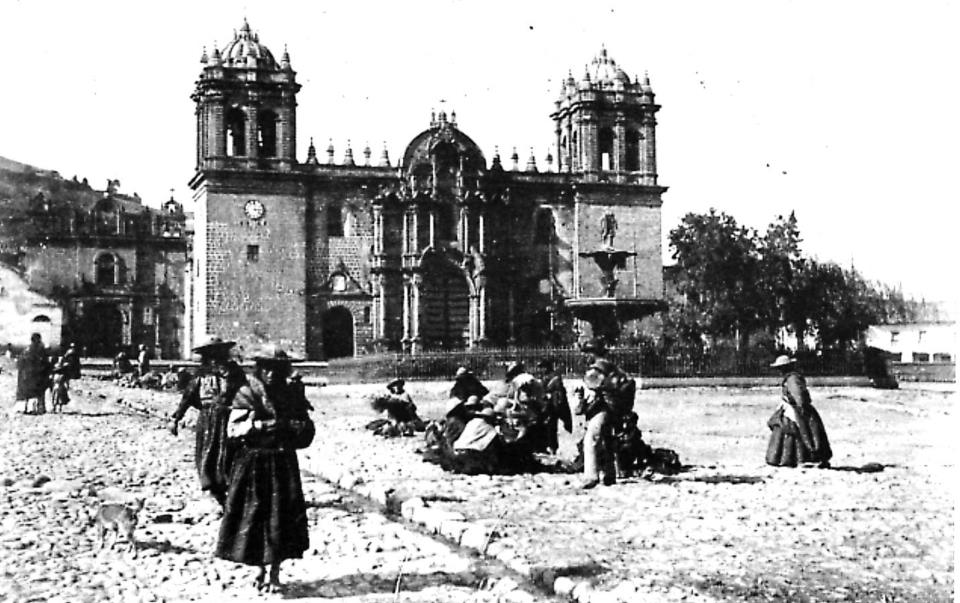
(236, 129)
(267, 134)
(606, 149)
(544, 231)
(106, 269)
(633, 151)
(334, 220)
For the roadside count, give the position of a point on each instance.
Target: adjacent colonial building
(445, 248)
(115, 268)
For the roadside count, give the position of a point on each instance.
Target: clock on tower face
(254, 209)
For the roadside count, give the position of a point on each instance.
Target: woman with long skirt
(797, 434)
(265, 516)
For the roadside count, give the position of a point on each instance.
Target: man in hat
(797, 434)
(211, 391)
(556, 408)
(143, 361)
(466, 384)
(609, 395)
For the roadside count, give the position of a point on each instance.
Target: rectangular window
(253, 253)
(921, 357)
(148, 316)
(942, 357)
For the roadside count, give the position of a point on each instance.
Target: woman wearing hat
(265, 516)
(466, 384)
(211, 391)
(797, 434)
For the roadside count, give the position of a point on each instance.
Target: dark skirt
(265, 516)
(802, 442)
(214, 453)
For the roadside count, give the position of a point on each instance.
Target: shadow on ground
(369, 583)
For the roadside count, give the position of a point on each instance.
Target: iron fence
(490, 363)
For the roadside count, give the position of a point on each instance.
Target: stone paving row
(730, 528)
(55, 469)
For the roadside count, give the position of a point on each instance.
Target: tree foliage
(733, 282)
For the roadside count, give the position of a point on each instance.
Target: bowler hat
(211, 344)
(395, 383)
(462, 372)
(783, 360)
(271, 354)
(453, 404)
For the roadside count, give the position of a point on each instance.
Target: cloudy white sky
(842, 111)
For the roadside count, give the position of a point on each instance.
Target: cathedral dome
(605, 73)
(445, 139)
(245, 50)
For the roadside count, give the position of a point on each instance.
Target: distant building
(443, 249)
(916, 342)
(24, 312)
(114, 266)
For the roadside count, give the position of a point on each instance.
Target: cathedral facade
(443, 249)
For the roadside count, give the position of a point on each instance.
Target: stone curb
(480, 536)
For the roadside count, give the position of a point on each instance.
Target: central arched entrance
(444, 306)
(102, 329)
(337, 332)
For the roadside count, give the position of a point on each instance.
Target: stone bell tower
(246, 106)
(249, 253)
(606, 124)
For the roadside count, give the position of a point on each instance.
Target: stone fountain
(608, 313)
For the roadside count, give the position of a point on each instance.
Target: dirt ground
(730, 526)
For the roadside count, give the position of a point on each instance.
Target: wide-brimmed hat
(213, 344)
(271, 354)
(462, 372)
(593, 346)
(396, 382)
(514, 369)
(782, 360)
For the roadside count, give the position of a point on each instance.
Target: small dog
(118, 517)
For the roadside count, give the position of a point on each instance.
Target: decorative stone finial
(515, 159)
(285, 59)
(203, 57)
(330, 152)
(384, 157)
(348, 155)
(531, 162)
(496, 158)
(453, 118)
(366, 154)
(549, 161)
(312, 153)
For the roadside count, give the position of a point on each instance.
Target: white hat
(782, 360)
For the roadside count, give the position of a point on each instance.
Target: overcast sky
(845, 112)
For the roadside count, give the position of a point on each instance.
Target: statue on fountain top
(608, 229)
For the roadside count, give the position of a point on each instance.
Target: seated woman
(797, 434)
(400, 413)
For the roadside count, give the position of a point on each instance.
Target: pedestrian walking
(72, 360)
(609, 396)
(59, 386)
(33, 374)
(143, 361)
(265, 518)
(211, 391)
(797, 434)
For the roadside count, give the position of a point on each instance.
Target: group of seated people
(500, 431)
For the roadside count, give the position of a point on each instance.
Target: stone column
(482, 318)
(619, 160)
(406, 311)
(415, 284)
(251, 132)
(649, 144)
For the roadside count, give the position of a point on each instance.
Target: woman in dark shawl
(265, 516)
(211, 391)
(33, 374)
(797, 434)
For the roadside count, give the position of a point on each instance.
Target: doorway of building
(337, 332)
(102, 330)
(444, 306)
